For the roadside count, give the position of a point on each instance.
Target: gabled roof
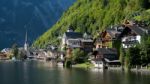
(133, 28)
(73, 35)
(136, 29)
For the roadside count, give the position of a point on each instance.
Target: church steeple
(26, 41)
(26, 37)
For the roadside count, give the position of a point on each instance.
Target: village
(76, 48)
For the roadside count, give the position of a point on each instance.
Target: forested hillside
(95, 15)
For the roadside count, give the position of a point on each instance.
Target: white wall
(130, 38)
(74, 42)
(138, 38)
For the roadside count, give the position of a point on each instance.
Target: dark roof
(73, 35)
(137, 30)
(107, 51)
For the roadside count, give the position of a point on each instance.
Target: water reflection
(32, 72)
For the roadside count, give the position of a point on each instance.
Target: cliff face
(36, 16)
(95, 15)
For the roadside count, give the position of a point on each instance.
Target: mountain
(95, 15)
(35, 16)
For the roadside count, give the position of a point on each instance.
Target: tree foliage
(145, 50)
(78, 55)
(15, 50)
(135, 57)
(139, 55)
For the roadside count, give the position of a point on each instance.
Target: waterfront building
(109, 56)
(132, 34)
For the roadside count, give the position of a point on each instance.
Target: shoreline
(88, 66)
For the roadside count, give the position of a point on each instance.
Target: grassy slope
(92, 16)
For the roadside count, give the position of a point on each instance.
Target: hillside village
(105, 48)
(109, 48)
(93, 42)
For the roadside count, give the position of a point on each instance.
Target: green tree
(22, 54)
(145, 50)
(15, 50)
(78, 55)
(122, 56)
(133, 57)
(127, 60)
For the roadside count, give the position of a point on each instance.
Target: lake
(33, 72)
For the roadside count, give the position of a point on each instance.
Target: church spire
(26, 41)
(26, 36)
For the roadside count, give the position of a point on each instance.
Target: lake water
(32, 72)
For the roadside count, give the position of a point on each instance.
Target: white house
(131, 36)
(130, 41)
(71, 39)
